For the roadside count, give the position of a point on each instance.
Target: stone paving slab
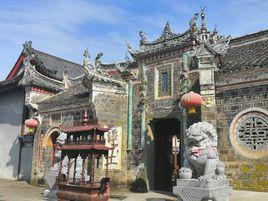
(11, 190)
(159, 196)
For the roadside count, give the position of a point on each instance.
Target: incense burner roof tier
(85, 138)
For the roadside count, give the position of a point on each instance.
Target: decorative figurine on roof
(193, 24)
(87, 64)
(143, 39)
(118, 67)
(98, 61)
(127, 59)
(167, 30)
(203, 26)
(66, 79)
(27, 48)
(130, 49)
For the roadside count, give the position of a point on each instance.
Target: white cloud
(54, 27)
(66, 27)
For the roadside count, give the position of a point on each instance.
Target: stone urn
(185, 173)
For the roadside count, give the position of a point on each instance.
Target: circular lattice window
(249, 133)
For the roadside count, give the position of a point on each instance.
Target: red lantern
(31, 123)
(191, 99)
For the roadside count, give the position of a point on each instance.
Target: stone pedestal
(198, 190)
(51, 193)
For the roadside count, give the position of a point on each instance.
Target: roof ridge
(249, 37)
(57, 57)
(248, 42)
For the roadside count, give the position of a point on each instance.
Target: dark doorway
(167, 159)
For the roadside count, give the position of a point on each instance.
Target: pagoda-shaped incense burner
(84, 141)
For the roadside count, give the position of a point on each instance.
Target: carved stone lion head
(201, 134)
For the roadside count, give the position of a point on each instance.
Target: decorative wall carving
(249, 133)
(252, 132)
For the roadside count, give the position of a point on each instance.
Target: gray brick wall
(244, 173)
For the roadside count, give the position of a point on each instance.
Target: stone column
(206, 66)
(129, 128)
(143, 105)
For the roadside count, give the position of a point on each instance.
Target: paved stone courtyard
(20, 191)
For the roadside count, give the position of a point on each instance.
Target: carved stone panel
(206, 77)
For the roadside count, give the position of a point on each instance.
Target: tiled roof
(249, 51)
(66, 97)
(57, 65)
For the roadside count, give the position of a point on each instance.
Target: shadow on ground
(1, 198)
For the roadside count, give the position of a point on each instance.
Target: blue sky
(65, 28)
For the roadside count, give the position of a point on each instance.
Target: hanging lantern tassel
(191, 110)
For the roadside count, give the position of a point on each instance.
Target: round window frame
(233, 134)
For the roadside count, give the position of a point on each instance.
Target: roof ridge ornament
(118, 67)
(87, 64)
(193, 25)
(93, 74)
(167, 29)
(98, 62)
(66, 80)
(167, 32)
(130, 49)
(203, 17)
(27, 48)
(127, 59)
(143, 39)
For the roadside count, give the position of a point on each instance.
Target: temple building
(139, 100)
(35, 76)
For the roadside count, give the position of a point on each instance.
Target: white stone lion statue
(201, 155)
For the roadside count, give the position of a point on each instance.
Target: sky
(65, 28)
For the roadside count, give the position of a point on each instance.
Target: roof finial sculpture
(98, 62)
(193, 24)
(27, 48)
(167, 32)
(130, 48)
(203, 17)
(118, 66)
(127, 60)
(167, 28)
(86, 58)
(143, 39)
(86, 62)
(66, 80)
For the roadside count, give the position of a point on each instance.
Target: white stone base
(197, 190)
